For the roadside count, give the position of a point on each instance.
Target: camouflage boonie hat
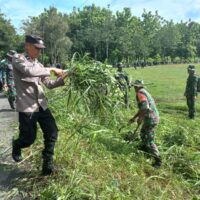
(191, 68)
(138, 83)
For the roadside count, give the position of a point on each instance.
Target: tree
(151, 24)
(53, 28)
(7, 35)
(168, 38)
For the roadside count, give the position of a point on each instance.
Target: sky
(177, 10)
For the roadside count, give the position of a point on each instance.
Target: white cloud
(18, 10)
(170, 9)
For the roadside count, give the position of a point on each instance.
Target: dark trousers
(28, 130)
(191, 106)
(1, 85)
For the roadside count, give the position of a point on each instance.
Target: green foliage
(177, 60)
(92, 86)
(107, 36)
(157, 59)
(95, 162)
(92, 82)
(7, 35)
(53, 28)
(150, 61)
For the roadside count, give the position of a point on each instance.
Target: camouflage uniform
(191, 91)
(2, 74)
(151, 119)
(123, 83)
(10, 83)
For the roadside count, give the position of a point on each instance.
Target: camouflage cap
(191, 68)
(35, 40)
(119, 65)
(98, 63)
(138, 83)
(11, 53)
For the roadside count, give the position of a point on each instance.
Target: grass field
(96, 163)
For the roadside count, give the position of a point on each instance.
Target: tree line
(107, 36)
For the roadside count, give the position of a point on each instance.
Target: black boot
(47, 167)
(157, 163)
(12, 104)
(143, 148)
(16, 152)
(191, 116)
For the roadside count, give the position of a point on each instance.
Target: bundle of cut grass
(93, 87)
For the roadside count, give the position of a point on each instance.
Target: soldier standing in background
(11, 92)
(191, 91)
(123, 82)
(149, 116)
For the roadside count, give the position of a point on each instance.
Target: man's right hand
(56, 71)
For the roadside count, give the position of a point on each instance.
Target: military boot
(191, 116)
(12, 104)
(157, 163)
(16, 152)
(47, 167)
(143, 148)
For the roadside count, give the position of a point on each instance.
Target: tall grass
(96, 163)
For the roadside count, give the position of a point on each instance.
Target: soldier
(191, 91)
(11, 92)
(148, 114)
(29, 75)
(3, 85)
(123, 82)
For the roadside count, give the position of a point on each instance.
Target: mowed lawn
(166, 83)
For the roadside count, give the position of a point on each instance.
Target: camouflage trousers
(191, 106)
(11, 94)
(124, 91)
(147, 137)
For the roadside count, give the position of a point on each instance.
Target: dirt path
(8, 168)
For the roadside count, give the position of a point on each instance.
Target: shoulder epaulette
(19, 57)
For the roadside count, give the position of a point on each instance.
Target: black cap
(35, 40)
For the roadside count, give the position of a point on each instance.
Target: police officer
(11, 92)
(149, 116)
(29, 75)
(123, 82)
(191, 91)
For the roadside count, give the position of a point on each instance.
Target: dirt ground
(9, 171)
